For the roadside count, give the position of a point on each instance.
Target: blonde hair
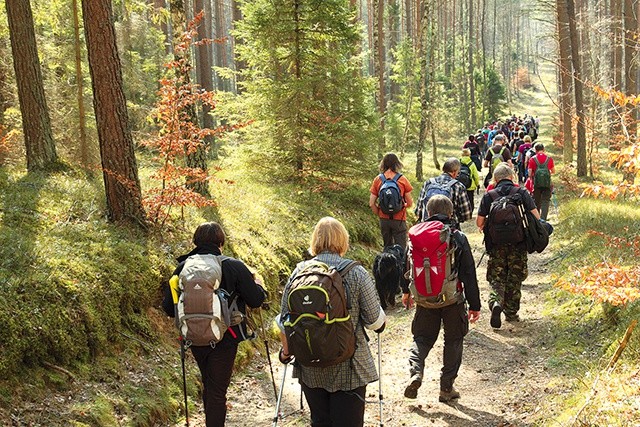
(527, 138)
(329, 235)
(466, 152)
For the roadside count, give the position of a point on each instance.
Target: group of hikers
(329, 301)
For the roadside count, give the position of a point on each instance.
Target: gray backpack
(205, 311)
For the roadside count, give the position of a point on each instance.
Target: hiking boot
(411, 391)
(512, 318)
(495, 321)
(446, 396)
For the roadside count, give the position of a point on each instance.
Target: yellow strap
(174, 284)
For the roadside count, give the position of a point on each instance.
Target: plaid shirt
(461, 204)
(360, 369)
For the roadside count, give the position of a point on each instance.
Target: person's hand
(474, 316)
(284, 358)
(381, 328)
(407, 301)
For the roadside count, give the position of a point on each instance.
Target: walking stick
(174, 285)
(279, 396)
(266, 346)
(380, 379)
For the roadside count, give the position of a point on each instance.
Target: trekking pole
(266, 346)
(184, 382)
(174, 285)
(276, 416)
(380, 379)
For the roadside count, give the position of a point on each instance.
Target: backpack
(318, 327)
(205, 310)
(496, 158)
(505, 221)
(434, 279)
(465, 175)
(389, 196)
(542, 176)
(435, 187)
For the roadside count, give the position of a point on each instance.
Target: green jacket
(475, 176)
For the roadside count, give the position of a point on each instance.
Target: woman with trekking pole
(335, 392)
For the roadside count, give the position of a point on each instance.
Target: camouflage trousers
(506, 270)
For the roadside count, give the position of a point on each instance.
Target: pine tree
(302, 86)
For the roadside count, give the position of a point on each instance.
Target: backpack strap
(535, 159)
(343, 268)
(396, 177)
(382, 178)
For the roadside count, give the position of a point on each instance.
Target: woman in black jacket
(216, 360)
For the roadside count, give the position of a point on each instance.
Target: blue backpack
(389, 196)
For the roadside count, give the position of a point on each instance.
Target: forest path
(503, 379)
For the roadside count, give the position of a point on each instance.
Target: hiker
(426, 321)
(474, 147)
(448, 185)
(499, 152)
(216, 360)
(336, 394)
(393, 225)
(472, 180)
(507, 266)
(522, 158)
(541, 168)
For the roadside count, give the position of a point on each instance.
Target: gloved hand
(285, 359)
(381, 328)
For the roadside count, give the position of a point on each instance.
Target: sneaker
(495, 321)
(411, 391)
(446, 396)
(512, 318)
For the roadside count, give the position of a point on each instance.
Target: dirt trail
(503, 380)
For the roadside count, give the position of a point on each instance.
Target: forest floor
(504, 380)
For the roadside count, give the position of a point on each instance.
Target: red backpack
(431, 251)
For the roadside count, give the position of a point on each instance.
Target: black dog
(388, 272)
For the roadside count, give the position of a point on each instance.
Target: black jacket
(464, 263)
(236, 277)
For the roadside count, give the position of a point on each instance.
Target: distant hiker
(215, 359)
(446, 184)
(389, 199)
(469, 175)
(336, 393)
(541, 168)
(448, 310)
(475, 151)
(499, 152)
(522, 158)
(499, 219)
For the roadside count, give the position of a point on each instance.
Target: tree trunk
(36, 123)
(581, 142)
(204, 73)
(617, 45)
(198, 159)
(630, 65)
(379, 69)
(472, 90)
(565, 72)
(84, 149)
(239, 65)
(119, 168)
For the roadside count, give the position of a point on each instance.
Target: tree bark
(581, 142)
(84, 149)
(204, 74)
(472, 90)
(380, 68)
(630, 64)
(565, 71)
(36, 123)
(239, 65)
(119, 167)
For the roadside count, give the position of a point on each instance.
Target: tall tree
(581, 133)
(471, 47)
(119, 167)
(631, 63)
(617, 45)
(378, 43)
(196, 160)
(84, 149)
(204, 75)
(566, 69)
(36, 123)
